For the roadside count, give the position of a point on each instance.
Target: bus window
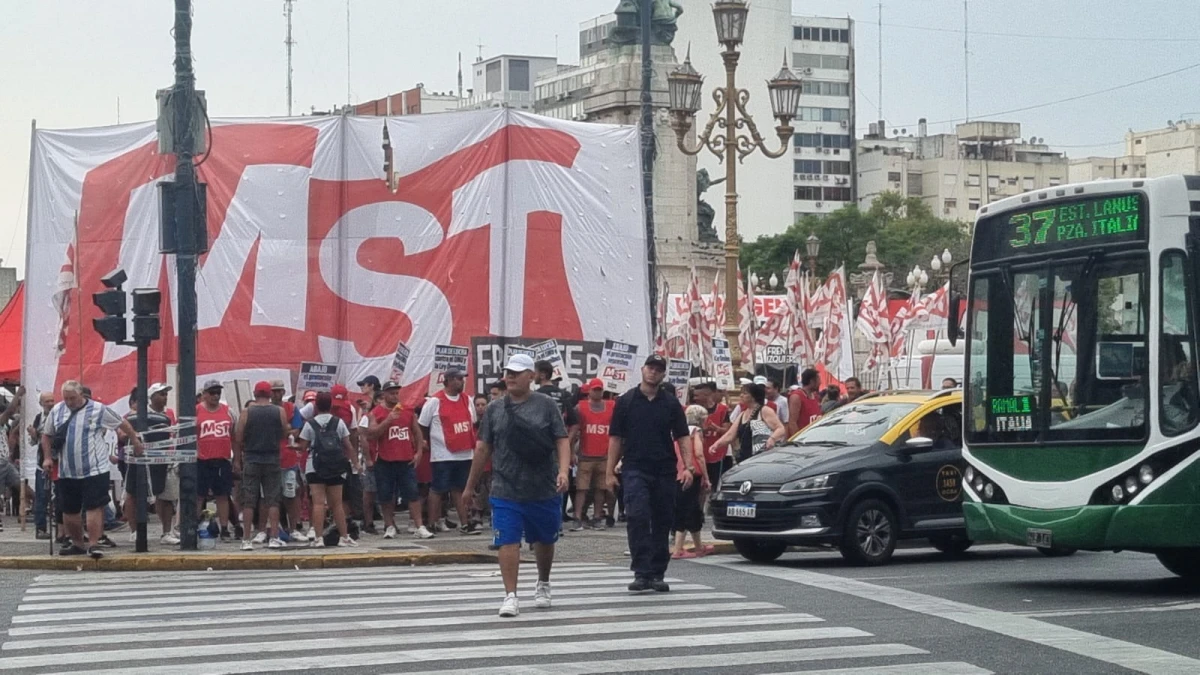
(1178, 395)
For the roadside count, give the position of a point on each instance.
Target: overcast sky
(67, 62)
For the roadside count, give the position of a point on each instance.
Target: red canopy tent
(10, 336)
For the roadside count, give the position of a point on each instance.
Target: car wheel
(951, 545)
(1184, 562)
(869, 534)
(1056, 552)
(759, 551)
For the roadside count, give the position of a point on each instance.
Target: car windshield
(854, 424)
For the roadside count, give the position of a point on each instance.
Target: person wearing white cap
(524, 435)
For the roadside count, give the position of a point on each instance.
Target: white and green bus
(1082, 408)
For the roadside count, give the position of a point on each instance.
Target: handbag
(59, 441)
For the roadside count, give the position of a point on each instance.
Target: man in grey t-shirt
(524, 436)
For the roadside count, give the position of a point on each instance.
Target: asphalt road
(998, 609)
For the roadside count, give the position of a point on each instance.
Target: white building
(1173, 149)
(956, 173)
(823, 163)
(506, 81)
(765, 186)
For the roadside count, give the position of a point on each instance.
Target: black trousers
(649, 515)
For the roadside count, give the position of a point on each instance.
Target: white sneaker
(318, 543)
(247, 545)
(541, 595)
(511, 607)
(299, 537)
(260, 538)
(133, 536)
(424, 533)
(312, 534)
(412, 530)
(347, 541)
(276, 542)
(169, 539)
(389, 533)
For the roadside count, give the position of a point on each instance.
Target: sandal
(677, 555)
(706, 550)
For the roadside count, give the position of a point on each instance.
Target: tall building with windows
(506, 81)
(823, 173)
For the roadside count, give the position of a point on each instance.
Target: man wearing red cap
(291, 463)
(595, 415)
(256, 457)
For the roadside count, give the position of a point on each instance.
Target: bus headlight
(969, 474)
(1131, 485)
(989, 491)
(1118, 493)
(1146, 474)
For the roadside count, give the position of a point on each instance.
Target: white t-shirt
(437, 439)
(781, 409)
(307, 434)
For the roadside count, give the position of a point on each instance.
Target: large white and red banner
(501, 225)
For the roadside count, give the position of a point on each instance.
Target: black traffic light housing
(146, 324)
(112, 303)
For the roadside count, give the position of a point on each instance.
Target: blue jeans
(649, 513)
(41, 499)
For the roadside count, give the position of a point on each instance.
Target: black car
(882, 468)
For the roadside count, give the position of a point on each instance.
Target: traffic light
(112, 303)
(146, 324)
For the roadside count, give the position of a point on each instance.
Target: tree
(905, 230)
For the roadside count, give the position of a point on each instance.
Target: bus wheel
(1056, 552)
(759, 551)
(1184, 562)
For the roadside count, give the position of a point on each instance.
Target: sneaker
(347, 541)
(470, 529)
(541, 595)
(71, 550)
(598, 524)
(226, 537)
(424, 533)
(247, 545)
(659, 586)
(319, 542)
(511, 607)
(169, 539)
(64, 540)
(42, 534)
(610, 521)
(95, 553)
(106, 542)
(275, 542)
(390, 532)
(369, 528)
(260, 538)
(238, 532)
(639, 584)
(621, 517)
(312, 534)
(577, 526)
(411, 530)
(133, 537)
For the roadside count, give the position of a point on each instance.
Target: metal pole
(648, 156)
(185, 259)
(290, 43)
(138, 471)
(730, 56)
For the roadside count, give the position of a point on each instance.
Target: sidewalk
(19, 550)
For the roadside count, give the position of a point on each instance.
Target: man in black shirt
(646, 423)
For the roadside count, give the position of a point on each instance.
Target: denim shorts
(451, 475)
(538, 521)
(394, 479)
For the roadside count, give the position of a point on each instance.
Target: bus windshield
(1057, 350)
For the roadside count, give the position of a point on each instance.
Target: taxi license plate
(1039, 538)
(741, 510)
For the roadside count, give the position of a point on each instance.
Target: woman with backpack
(326, 440)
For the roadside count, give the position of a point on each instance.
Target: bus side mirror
(953, 317)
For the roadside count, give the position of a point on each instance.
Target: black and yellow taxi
(885, 467)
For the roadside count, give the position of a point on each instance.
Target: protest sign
(617, 366)
(316, 377)
(446, 357)
(678, 373)
(399, 362)
(722, 364)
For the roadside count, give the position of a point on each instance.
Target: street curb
(238, 561)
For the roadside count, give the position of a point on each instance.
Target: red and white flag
(873, 323)
(63, 294)
(716, 309)
(745, 322)
(834, 348)
(699, 350)
(797, 298)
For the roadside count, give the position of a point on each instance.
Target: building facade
(823, 169)
(506, 81)
(415, 101)
(956, 173)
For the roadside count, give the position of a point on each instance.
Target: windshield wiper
(1084, 280)
(839, 444)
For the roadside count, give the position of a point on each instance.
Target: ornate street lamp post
(812, 247)
(738, 136)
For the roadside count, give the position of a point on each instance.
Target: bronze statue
(704, 212)
(664, 18)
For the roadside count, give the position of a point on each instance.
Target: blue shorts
(540, 522)
(451, 475)
(394, 479)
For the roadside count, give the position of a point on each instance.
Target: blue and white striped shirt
(86, 451)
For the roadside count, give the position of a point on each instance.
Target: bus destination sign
(1011, 413)
(1093, 221)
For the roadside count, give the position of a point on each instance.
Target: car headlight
(811, 484)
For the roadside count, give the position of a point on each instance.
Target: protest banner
(316, 377)
(446, 357)
(617, 366)
(722, 364)
(678, 373)
(399, 362)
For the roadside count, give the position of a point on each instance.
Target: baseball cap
(519, 363)
(278, 384)
(656, 361)
(262, 388)
(310, 396)
(339, 392)
(212, 384)
(594, 383)
(159, 388)
(453, 373)
(760, 379)
(371, 380)
(390, 384)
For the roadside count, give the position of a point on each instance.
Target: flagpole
(78, 295)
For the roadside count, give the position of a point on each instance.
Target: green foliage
(904, 229)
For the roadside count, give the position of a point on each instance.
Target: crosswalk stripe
(495, 651)
(134, 591)
(62, 579)
(110, 628)
(708, 661)
(939, 668)
(229, 608)
(67, 639)
(399, 587)
(461, 638)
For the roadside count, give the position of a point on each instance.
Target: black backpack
(329, 461)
